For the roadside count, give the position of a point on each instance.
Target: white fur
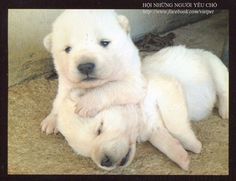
(179, 84)
(202, 75)
(117, 72)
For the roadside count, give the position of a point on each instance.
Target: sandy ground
(32, 152)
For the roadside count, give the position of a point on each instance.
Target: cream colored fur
(118, 69)
(203, 76)
(105, 117)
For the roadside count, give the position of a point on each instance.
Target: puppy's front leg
(112, 93)
(49, 124)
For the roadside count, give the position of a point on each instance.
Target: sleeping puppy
(110, 137)
(182, 85)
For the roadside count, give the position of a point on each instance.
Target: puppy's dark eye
(68, 49)
(105, 43)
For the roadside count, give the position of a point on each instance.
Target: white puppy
(92, 51)
(99, 69)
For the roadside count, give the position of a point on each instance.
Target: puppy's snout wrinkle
(125, 159)
(106, 161)
(86, 68)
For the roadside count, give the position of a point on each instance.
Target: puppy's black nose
(106, 161)
(86, 68)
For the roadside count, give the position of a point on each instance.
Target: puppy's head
(92, 47)
(109, 138)
(115, 142)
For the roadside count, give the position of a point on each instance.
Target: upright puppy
(92, 51)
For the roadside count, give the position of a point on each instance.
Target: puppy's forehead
(87, 21)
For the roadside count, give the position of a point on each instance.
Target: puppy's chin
(91, 83)
(85, 83)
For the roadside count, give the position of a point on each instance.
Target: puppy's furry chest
(149, 118)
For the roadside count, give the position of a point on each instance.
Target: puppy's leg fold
(170, 146)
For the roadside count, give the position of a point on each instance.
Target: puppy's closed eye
(99, 130)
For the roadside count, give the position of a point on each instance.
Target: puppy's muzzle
(86, 68)
(108, 162)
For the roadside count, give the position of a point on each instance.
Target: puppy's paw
(86, 110)
(180, 155)
(184, 161)
(49, 124)
(195, 146)
(224, 106)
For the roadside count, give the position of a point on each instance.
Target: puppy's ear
(47, 42)
(124, 22)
